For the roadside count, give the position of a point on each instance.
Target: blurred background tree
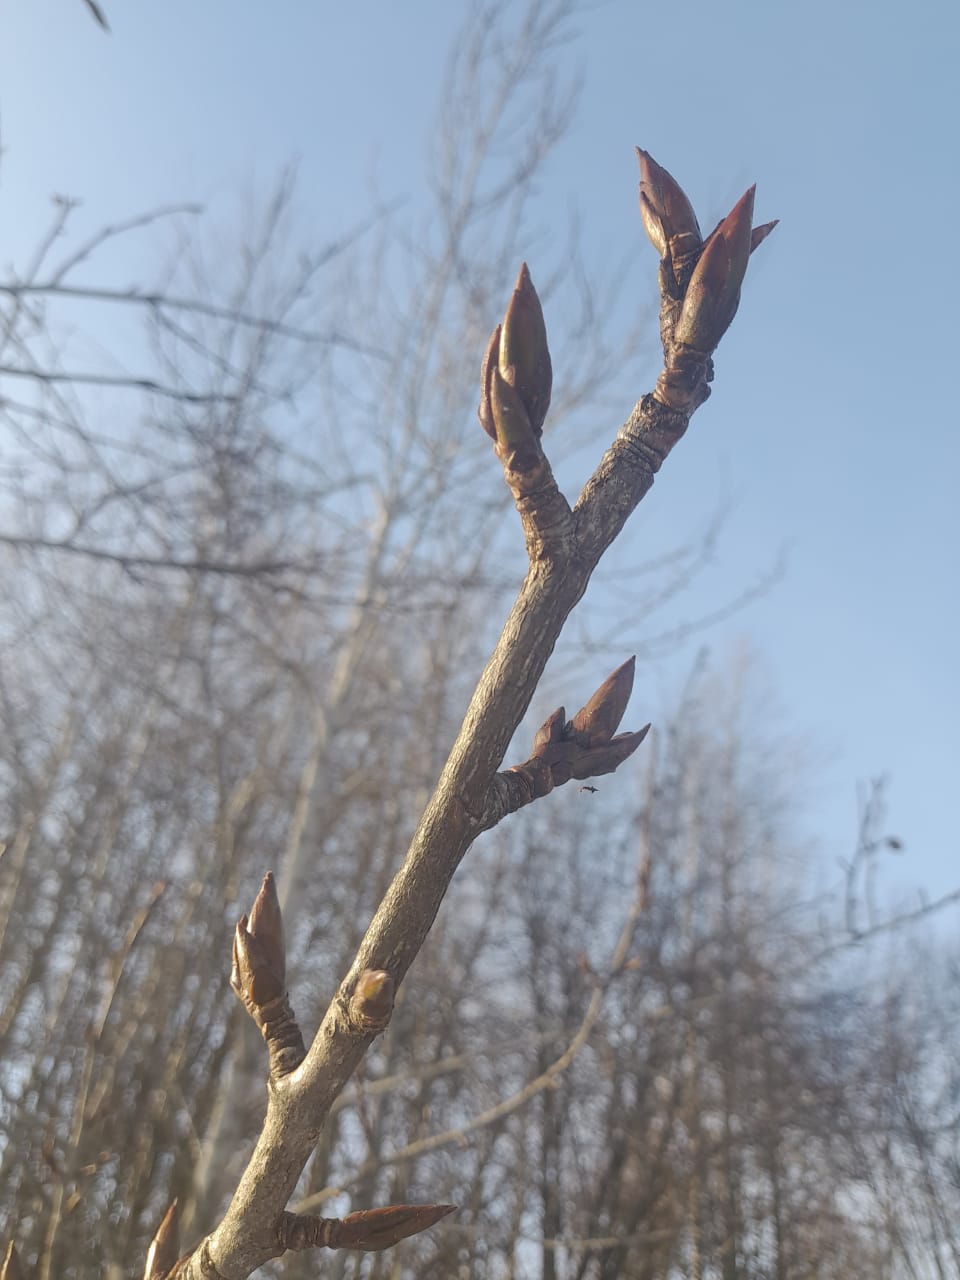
(245, 594)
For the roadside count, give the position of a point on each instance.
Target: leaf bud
(713, 294)
(372, 1001)
(524, 357)
(374, 1229)
(598, 721)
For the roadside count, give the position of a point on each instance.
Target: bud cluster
(699, 279)
(588, 745)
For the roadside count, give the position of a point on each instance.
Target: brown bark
(564, 546)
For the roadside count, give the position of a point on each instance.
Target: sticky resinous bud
(258, 975)
(669, 220)
(517, 378)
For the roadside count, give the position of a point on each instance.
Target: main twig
(699, 289)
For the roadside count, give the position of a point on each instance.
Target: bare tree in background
(241, 613)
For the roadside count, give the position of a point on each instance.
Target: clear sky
(833, 429)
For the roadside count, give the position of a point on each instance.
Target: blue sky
(833, 429)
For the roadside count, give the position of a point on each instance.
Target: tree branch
(700, 286)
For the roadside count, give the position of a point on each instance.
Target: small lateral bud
(164, 1247)
(524, 357)
(375, 1229)
(372, 1001)
(599, 720)
(11, 1268)
(713, 294)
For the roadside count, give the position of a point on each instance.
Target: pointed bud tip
(743, 206)
(759, 234)
(645, 160)
(601, 715)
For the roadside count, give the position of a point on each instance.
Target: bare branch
(122, 381)
(97, 13)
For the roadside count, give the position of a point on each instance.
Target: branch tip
(524, 356)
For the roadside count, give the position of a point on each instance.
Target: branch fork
(700, 284)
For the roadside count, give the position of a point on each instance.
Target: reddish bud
(259, 967)
(598, 721)
(164, 1247)
(669, 220)
(550, 731)
(524, 357)
(374, 1229)
(266, 925)
(713, 294)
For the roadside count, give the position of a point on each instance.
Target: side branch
(700, 285)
